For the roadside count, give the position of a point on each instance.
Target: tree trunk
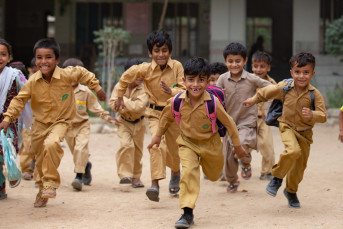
(163, 15)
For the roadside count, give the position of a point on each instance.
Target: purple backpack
(211, 108)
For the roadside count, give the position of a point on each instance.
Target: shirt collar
(243, 75)
(154, 64)
(56, 74)
(204, 97)
(79, 88)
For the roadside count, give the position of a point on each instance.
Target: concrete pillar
(228, 24)
(306, 26)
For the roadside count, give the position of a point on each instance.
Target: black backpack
(275, 109)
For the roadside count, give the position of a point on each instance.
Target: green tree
(334, 37)
(109, 40)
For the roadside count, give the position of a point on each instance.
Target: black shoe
(185, 221)
(267, 176)
(77, 184)
(292, 198)
(87, 177)
(273, 186)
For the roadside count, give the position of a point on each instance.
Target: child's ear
(58, 60)
(149, 53)
(246, 60)
(184, 79)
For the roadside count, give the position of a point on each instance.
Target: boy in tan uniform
(198, 143)
(131, 130)
(239, 85)
(53, 108)
(261, 66)
(162, 80)
(296, 123)
(77, 136)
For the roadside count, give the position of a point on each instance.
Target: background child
(296, 123)
(239, 85)
(340, 119)
(198, 145)
(53, 107)
(216, 69)
(131, 130)
(261, 66)
(11, 81)
(77, 136)
(162, 80)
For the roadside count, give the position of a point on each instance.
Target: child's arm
(94, 107)
(16, 106)
(138, 105)
(340, 135)
(319, 113)
(231, 128)
(266, 93)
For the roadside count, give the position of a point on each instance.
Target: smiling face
(235, 64)
(260, 68)
(302, 76)
(4, 57)
(214, 79)
(46, 61)
(160, 55)
(195, 86)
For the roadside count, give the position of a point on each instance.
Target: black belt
(159, 108)
(134, 121)
(259, 116)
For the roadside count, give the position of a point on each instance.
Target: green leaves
(334, 37)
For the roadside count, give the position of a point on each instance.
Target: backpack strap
(286, 88)
(176, 107)
(211, 109)
(312, 101)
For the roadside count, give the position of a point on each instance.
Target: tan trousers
(129, 156)
(193, 153)
(77, 138)
(265, 146)
(46, 139)
(293, 160)
(167, 153)
(25, 155)
(247, 136)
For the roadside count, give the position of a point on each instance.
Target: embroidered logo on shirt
(64, 97)
(80, 107)
(205, 126)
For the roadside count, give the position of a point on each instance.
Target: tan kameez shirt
(194, 122)
(293, 105)
(152, 75)
(265, 105)
(51, 101)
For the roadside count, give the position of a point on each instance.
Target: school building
(197, 27)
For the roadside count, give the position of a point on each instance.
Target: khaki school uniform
(245, 119)
(77, 136)
(198, 145)
(265, 137)
(167, 153)
(295, 130)
(25, 155)
(53, 108)
(130, 131)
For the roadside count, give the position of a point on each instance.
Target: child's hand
(113, 120)
(101, 95)
(307, 113)
(119, 103)
(156, 140)
(4, 125)
(165, 88)
(340, 135)
(240, 151)
(248, 103)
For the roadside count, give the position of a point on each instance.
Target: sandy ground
(106, 204)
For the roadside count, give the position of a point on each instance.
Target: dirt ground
(106, 204)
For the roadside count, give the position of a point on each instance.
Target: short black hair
(20, 66)
(132, 62)
(302, 59)
(197, 66)
(159, 38)
(217, 68)
(8, 46)
(235, 49)
(72, 62)
(47, 43)
(261, 56)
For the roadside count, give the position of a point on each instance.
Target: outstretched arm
(156, 140)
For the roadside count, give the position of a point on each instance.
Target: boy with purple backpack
(199, 142)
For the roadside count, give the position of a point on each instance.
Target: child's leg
(172, 156)
(212, 158)
(296, 173)
(230, 161)
(248, 138)
(49, 158)
(81, 152)
(190, 175)
(70, 139)
(125, 155)
(291, 153)
(265, 146)
(138, 138)
(25, 156)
